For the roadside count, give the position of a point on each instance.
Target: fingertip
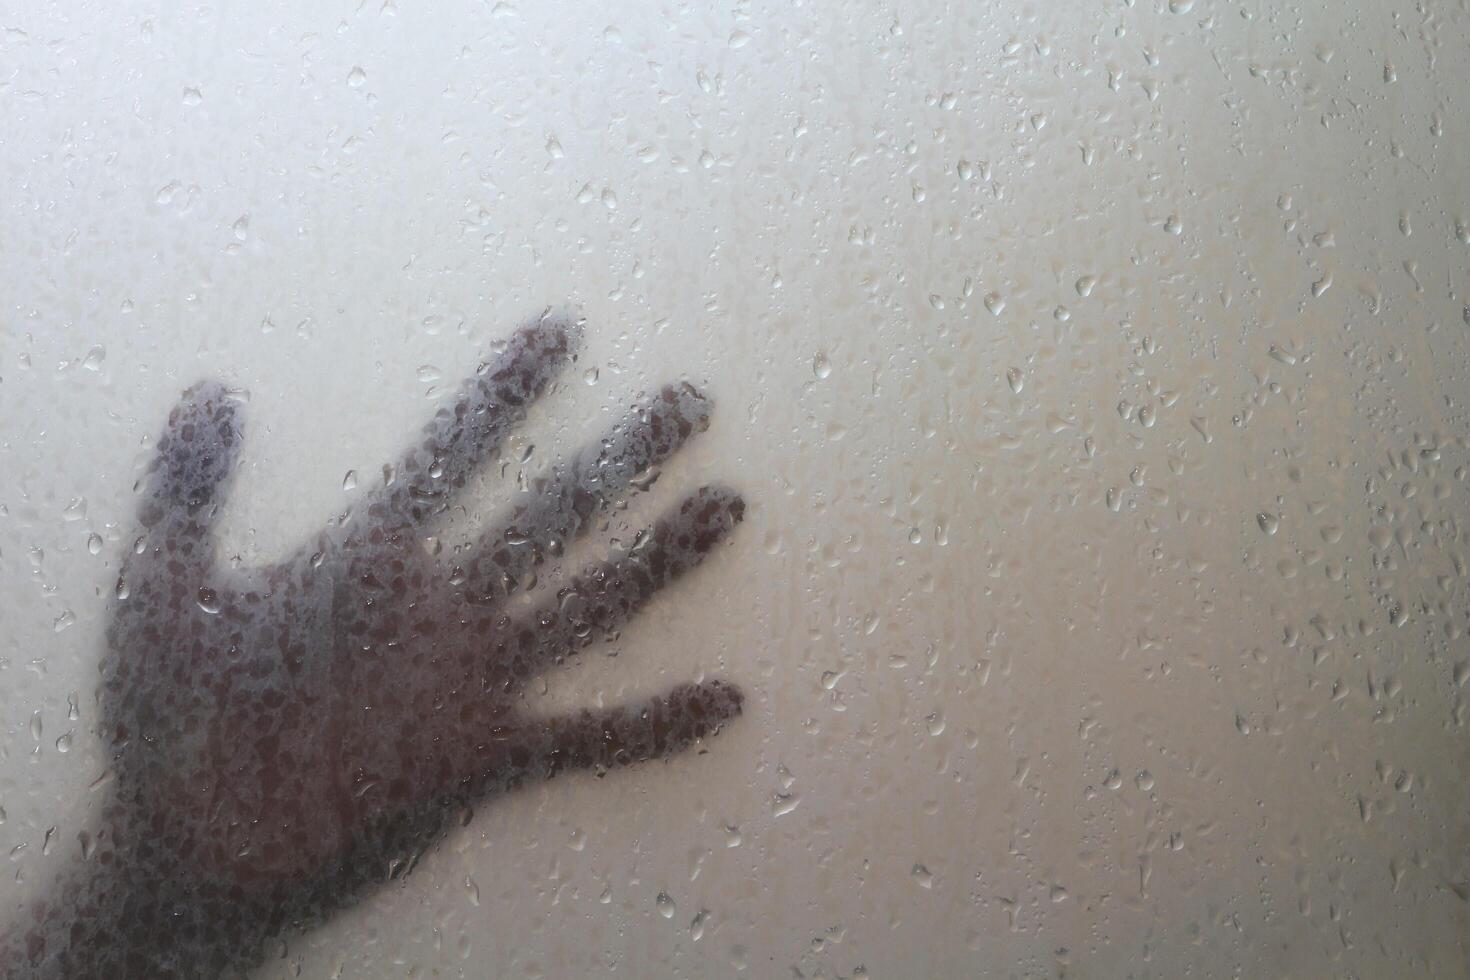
(729, 693)
(207, 415)
(710, 702)
(691, 405)
(203, 389)
(209, 401)
(716, 501)
(560, 330)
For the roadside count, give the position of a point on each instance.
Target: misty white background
(1095, 372)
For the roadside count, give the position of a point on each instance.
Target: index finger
(471, 426)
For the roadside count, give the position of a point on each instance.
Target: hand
(283, 737)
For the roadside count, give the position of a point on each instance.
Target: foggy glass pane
(948, 490)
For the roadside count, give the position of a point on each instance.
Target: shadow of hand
(283, 738)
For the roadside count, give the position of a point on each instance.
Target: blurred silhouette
(282, 739)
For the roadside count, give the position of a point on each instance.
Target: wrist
(116, 912)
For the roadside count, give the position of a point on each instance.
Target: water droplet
(208, 600)
(1015, 380)
(472, 890)
(1284, 356)
(995, 303)
(696, 927)
(241, 228)
(356, 77)
(1144, 780)
(1085, 285)
(590, 376)
(349, 482)
(94, 543)
(193, 96)
(1173, 225)
(665, 905)
(1268, 522)
(821, 366)
(1180, 6)
(63, 744)
(923, 876)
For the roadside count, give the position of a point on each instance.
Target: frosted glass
(1092, 377)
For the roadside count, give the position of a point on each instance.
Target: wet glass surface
(1065, 405)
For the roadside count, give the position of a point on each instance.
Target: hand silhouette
(282, 738)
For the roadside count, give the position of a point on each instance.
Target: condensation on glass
(1091, 380)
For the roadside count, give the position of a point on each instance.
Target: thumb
(196, 452)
